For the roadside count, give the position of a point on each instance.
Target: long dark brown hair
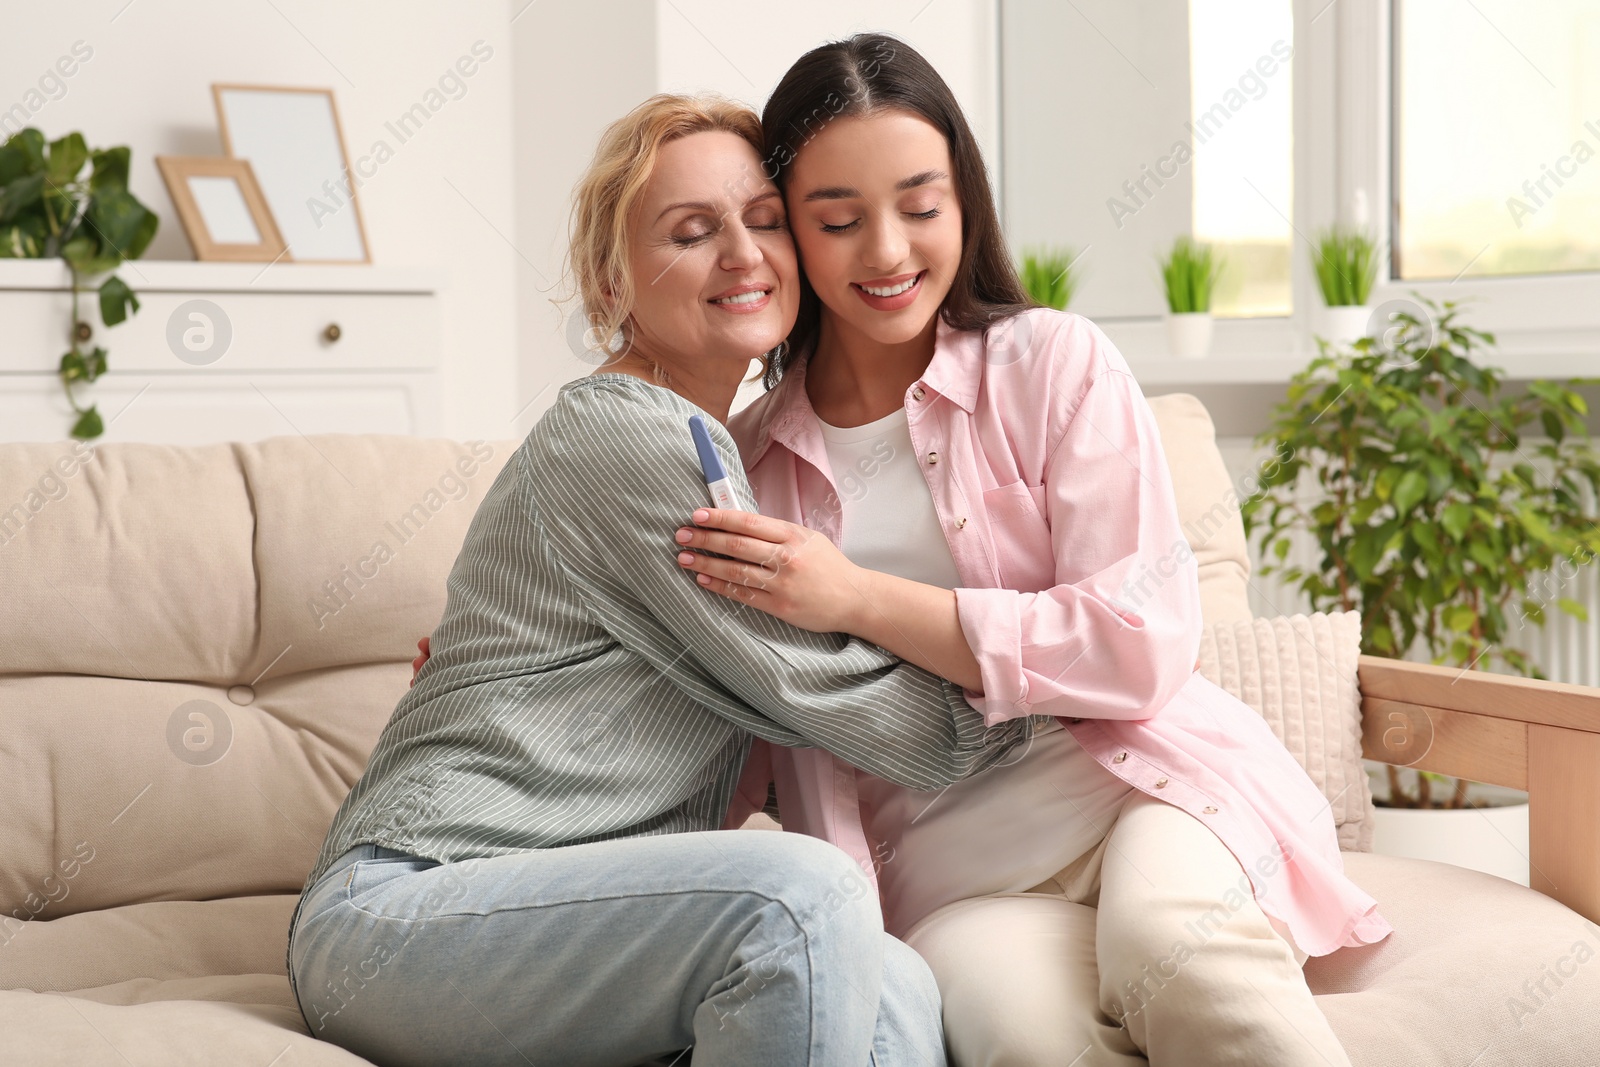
(873, 72)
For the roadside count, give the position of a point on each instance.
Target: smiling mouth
(891, 290)
(750, 296)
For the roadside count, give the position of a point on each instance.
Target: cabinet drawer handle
(332, 333)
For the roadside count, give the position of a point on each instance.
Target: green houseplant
(1189, 274)
(63, 199)
(1345, 260)
(1050, 277)
(1436, 518)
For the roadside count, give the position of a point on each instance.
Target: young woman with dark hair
(1144, 883)
(860, 76)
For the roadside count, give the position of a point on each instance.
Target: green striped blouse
(583, 687)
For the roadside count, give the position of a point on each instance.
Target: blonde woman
(527, 870)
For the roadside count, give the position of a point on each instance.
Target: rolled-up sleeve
(609, 488)
(1117, 635)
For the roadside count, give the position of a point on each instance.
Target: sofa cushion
(107, 803)
(1478, 971)
(166, 940)
(1208, 505)
(134, 564)
(1299, 672)
(189, 1022)
(355, 535)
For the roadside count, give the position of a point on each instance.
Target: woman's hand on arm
(606, 484)
(918, 623)
(422, 657)
(801, 577)
(787, 571)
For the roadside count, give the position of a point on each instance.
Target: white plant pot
(1493, 840)
(1189, 334)
(1343, 325)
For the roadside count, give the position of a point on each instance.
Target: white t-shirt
(890, 524)
(1004, 829)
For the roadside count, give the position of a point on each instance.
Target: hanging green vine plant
(62, 199)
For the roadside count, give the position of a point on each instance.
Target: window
(1126, 125)
(1496, 138)
(1240, 101)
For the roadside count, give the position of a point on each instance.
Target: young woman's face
(712, 263)
(872, 203)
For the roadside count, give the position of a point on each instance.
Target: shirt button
(1209, 810)
(1161, 783)
(917, 393)
(961, 523)
(933, 457)
(1119, 757)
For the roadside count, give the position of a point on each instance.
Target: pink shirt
(1080, 599)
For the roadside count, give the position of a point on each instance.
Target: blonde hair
(604, 198)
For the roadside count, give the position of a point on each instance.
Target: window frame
(1532, 315)
(1344, 151)
(1262, 340)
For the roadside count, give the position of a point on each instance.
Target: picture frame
(222, 210)
(292, 138)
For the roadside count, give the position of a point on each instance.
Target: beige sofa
(201, 644)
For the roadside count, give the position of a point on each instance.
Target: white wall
(1096, 91)
(147, 85)
(717, 45)
(580, 66)
(483, 191)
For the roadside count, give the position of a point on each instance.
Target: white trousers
(1128, 956)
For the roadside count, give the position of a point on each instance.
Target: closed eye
(923, 216)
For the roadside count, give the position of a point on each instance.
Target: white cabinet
(228, 352)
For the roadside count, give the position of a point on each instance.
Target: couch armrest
(1540, 736)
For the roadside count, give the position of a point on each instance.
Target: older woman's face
(713, 266)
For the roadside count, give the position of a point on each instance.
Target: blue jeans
(753, 948)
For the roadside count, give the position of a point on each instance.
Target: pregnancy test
(716, 475)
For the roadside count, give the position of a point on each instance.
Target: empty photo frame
(221, 208)
(292, 140)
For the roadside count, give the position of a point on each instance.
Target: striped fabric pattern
(582, 687)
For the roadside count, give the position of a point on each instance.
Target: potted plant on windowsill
(1411, 480)
(1050, 276)
(1346, 264)
(1189, 275)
